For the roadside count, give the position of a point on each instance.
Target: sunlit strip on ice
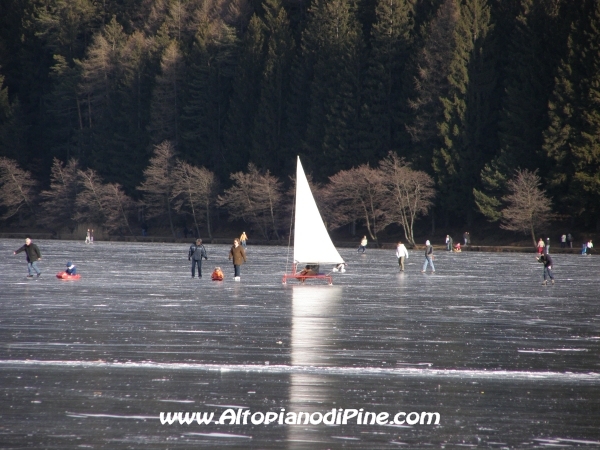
(282, 369)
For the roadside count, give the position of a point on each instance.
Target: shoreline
(337, 243)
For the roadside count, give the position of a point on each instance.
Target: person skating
(33, 254)
(88, 237)
(401, 254)
(238, 255)
(195, 254)
(546, 260)
(363, 245)
(428, 257)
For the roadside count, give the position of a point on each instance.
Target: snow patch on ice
(318, 370)
(220, 435)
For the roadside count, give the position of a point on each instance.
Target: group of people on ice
(197, 252)
(33, 255)
(237, 253)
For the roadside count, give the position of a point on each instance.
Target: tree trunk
(208, 220)
(170, 217)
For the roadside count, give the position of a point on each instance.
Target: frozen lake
(505, 361)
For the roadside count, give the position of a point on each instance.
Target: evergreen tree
(528, 85)
(207, 96)
(13, 128)
(269, 146)
(244, 96)
(573, 136)
(333, 139)
(101, 73)
(167, 97)
(66, 27)
(431, 83)
(384, 95)
(134, 96)
(534, 50)
(64, 118)
(467, 129)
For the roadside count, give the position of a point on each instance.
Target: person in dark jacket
(546, 260)
(196, 253)
(238, 255)
(428, 257)
(33, 256)
(71, 269)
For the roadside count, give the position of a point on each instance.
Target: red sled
(66, 276)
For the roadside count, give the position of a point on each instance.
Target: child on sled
(217, 274)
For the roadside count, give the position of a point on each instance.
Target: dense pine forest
(179, 107)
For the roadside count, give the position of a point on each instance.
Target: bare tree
(17, 188)
(528, 207)
(255, 198)
(194, 191)
(59, 201)
(409, 193)
(159, 182)
(90, 199)
(358, 194)
(118, 208)
(103, 204)
(320, 193)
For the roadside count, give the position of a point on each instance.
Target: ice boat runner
(312, 245)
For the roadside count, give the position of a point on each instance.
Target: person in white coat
(401, 254)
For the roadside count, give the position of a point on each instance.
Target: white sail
(312, 243)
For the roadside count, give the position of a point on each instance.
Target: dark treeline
(467, 91)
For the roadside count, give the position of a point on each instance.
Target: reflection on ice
(314, 312)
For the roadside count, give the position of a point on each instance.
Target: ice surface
(504, 360)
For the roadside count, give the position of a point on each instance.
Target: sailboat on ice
(312, 244)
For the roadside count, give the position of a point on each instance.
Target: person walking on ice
(33, 254)
(401, 254)
(428, 257)
(195, 254)
(243, 239)
(88, 236)
(238, 255)
(546, 260)
(363, 245)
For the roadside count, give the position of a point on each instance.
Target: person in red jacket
(33, 256)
